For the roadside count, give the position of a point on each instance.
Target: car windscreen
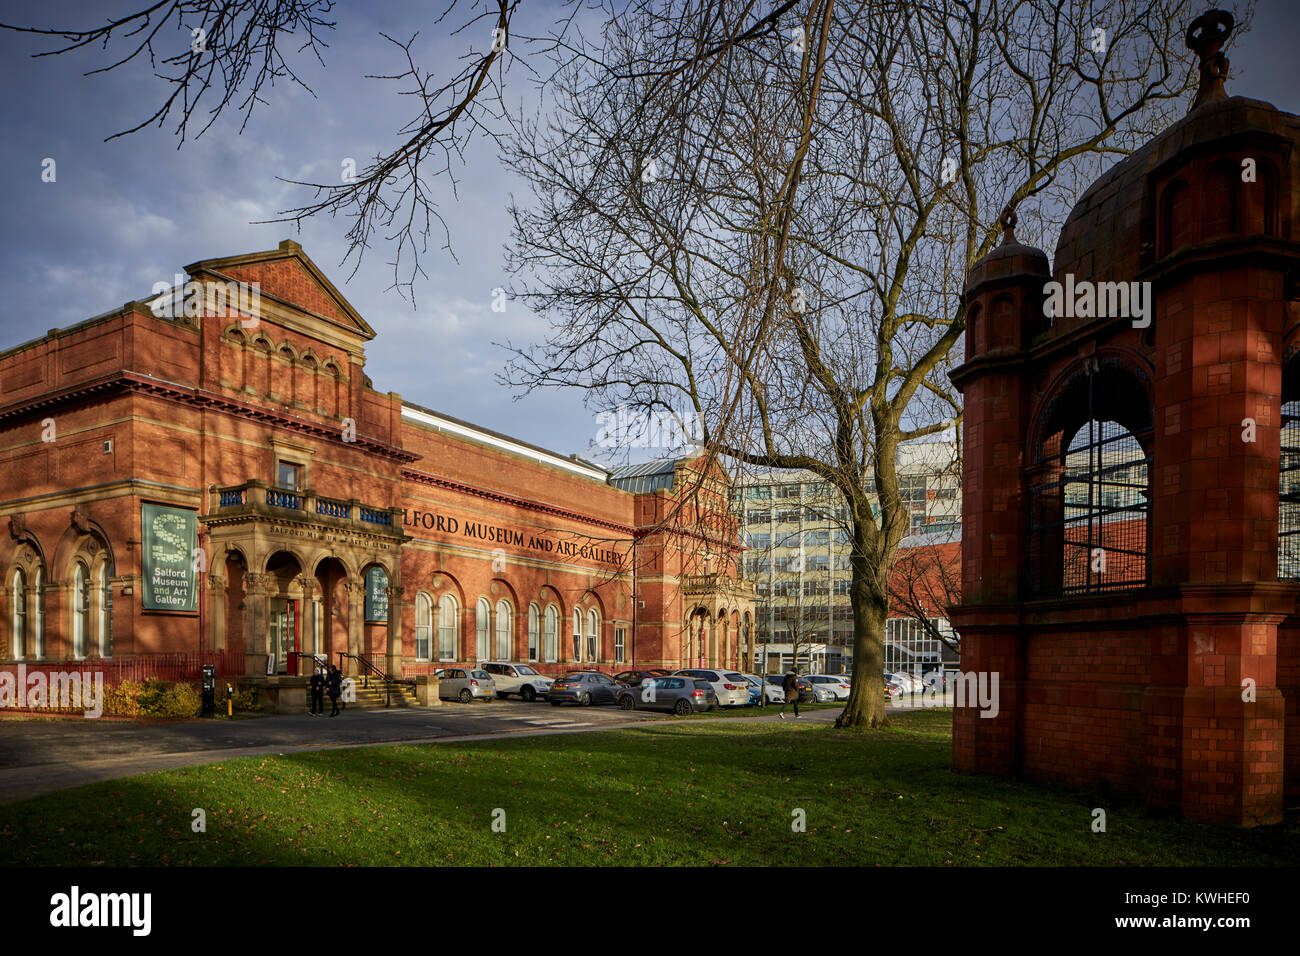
(481, 675)
(525, 669)
(735, 678)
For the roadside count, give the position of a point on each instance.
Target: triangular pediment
(294, 286)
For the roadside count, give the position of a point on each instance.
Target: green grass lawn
(666, 793)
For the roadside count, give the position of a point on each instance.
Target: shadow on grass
(662, 794)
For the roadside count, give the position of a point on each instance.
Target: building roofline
(493, 439)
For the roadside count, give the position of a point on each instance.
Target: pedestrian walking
(317, 692)
(334, 686)
(791, 687)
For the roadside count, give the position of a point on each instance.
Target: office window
(483, 630)
(534, 631)
(423, 626)
(593, 636)
(287, 475)
(620, 645)
(505, 631)
(552, 646)
(447, 628)
(18, 601)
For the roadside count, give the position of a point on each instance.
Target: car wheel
(528, 694)
(683, 707)
(627, 702)
(465, 696)
(585, 700)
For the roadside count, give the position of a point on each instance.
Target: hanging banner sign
(169, 544)
(377, 595)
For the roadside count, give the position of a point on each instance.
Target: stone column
(393, 664)
(216, 636)
(307, 624)
(257, 616)
(356, 622)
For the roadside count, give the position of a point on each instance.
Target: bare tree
(777, 240)
(213, 56)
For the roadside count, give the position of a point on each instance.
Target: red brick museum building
(182, 476)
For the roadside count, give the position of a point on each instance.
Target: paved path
(41, 756)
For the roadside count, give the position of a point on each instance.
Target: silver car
(465, 684)
(731, 688)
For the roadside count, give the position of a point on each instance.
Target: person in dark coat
(317, 693)
(334, 686)
(791, 687)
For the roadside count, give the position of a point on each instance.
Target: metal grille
(1088, 523)
(1288, 498)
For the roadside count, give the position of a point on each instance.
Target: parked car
(836, 685)
(521, 679)
(773, 692)
(465, 684)
(583, 687)
(635, 677)
(679, 694)
(909, 683)
(732, 688)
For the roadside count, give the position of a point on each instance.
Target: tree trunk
(866, 704)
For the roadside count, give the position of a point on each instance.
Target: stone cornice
(437, 481)
(134, 382)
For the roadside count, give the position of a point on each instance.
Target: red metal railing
(169, 668)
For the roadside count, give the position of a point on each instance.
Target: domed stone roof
(1103, 237)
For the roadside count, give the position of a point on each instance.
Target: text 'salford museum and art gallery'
(1131, 526)
(211, 481)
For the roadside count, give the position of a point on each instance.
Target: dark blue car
(584, 687)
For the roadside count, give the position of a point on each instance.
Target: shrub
(180, 700)
(248, 698)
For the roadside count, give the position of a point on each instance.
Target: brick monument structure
(1131, 536)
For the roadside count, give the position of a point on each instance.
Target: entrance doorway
(283, 639)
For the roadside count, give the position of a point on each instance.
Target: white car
(773, 693)
(836, 685)
(910, 684)
(731, 688)
(511, 678)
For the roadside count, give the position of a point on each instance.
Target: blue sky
(126, 214)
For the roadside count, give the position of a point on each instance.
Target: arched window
(505, 632)
(38, 615)
(1288, 491)
(18, 601)
(80, 609)
(593, 636)
(1089, 486)
(534, 631)
(423, 626)
(483, 630)
(577, 635)
(447, 628)
(104, 607)
(552, 646)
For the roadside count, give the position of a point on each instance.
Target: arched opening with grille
(1089, 499)
(1288, 489)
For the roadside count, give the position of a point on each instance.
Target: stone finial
(1008, 220)
(1205, 37)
